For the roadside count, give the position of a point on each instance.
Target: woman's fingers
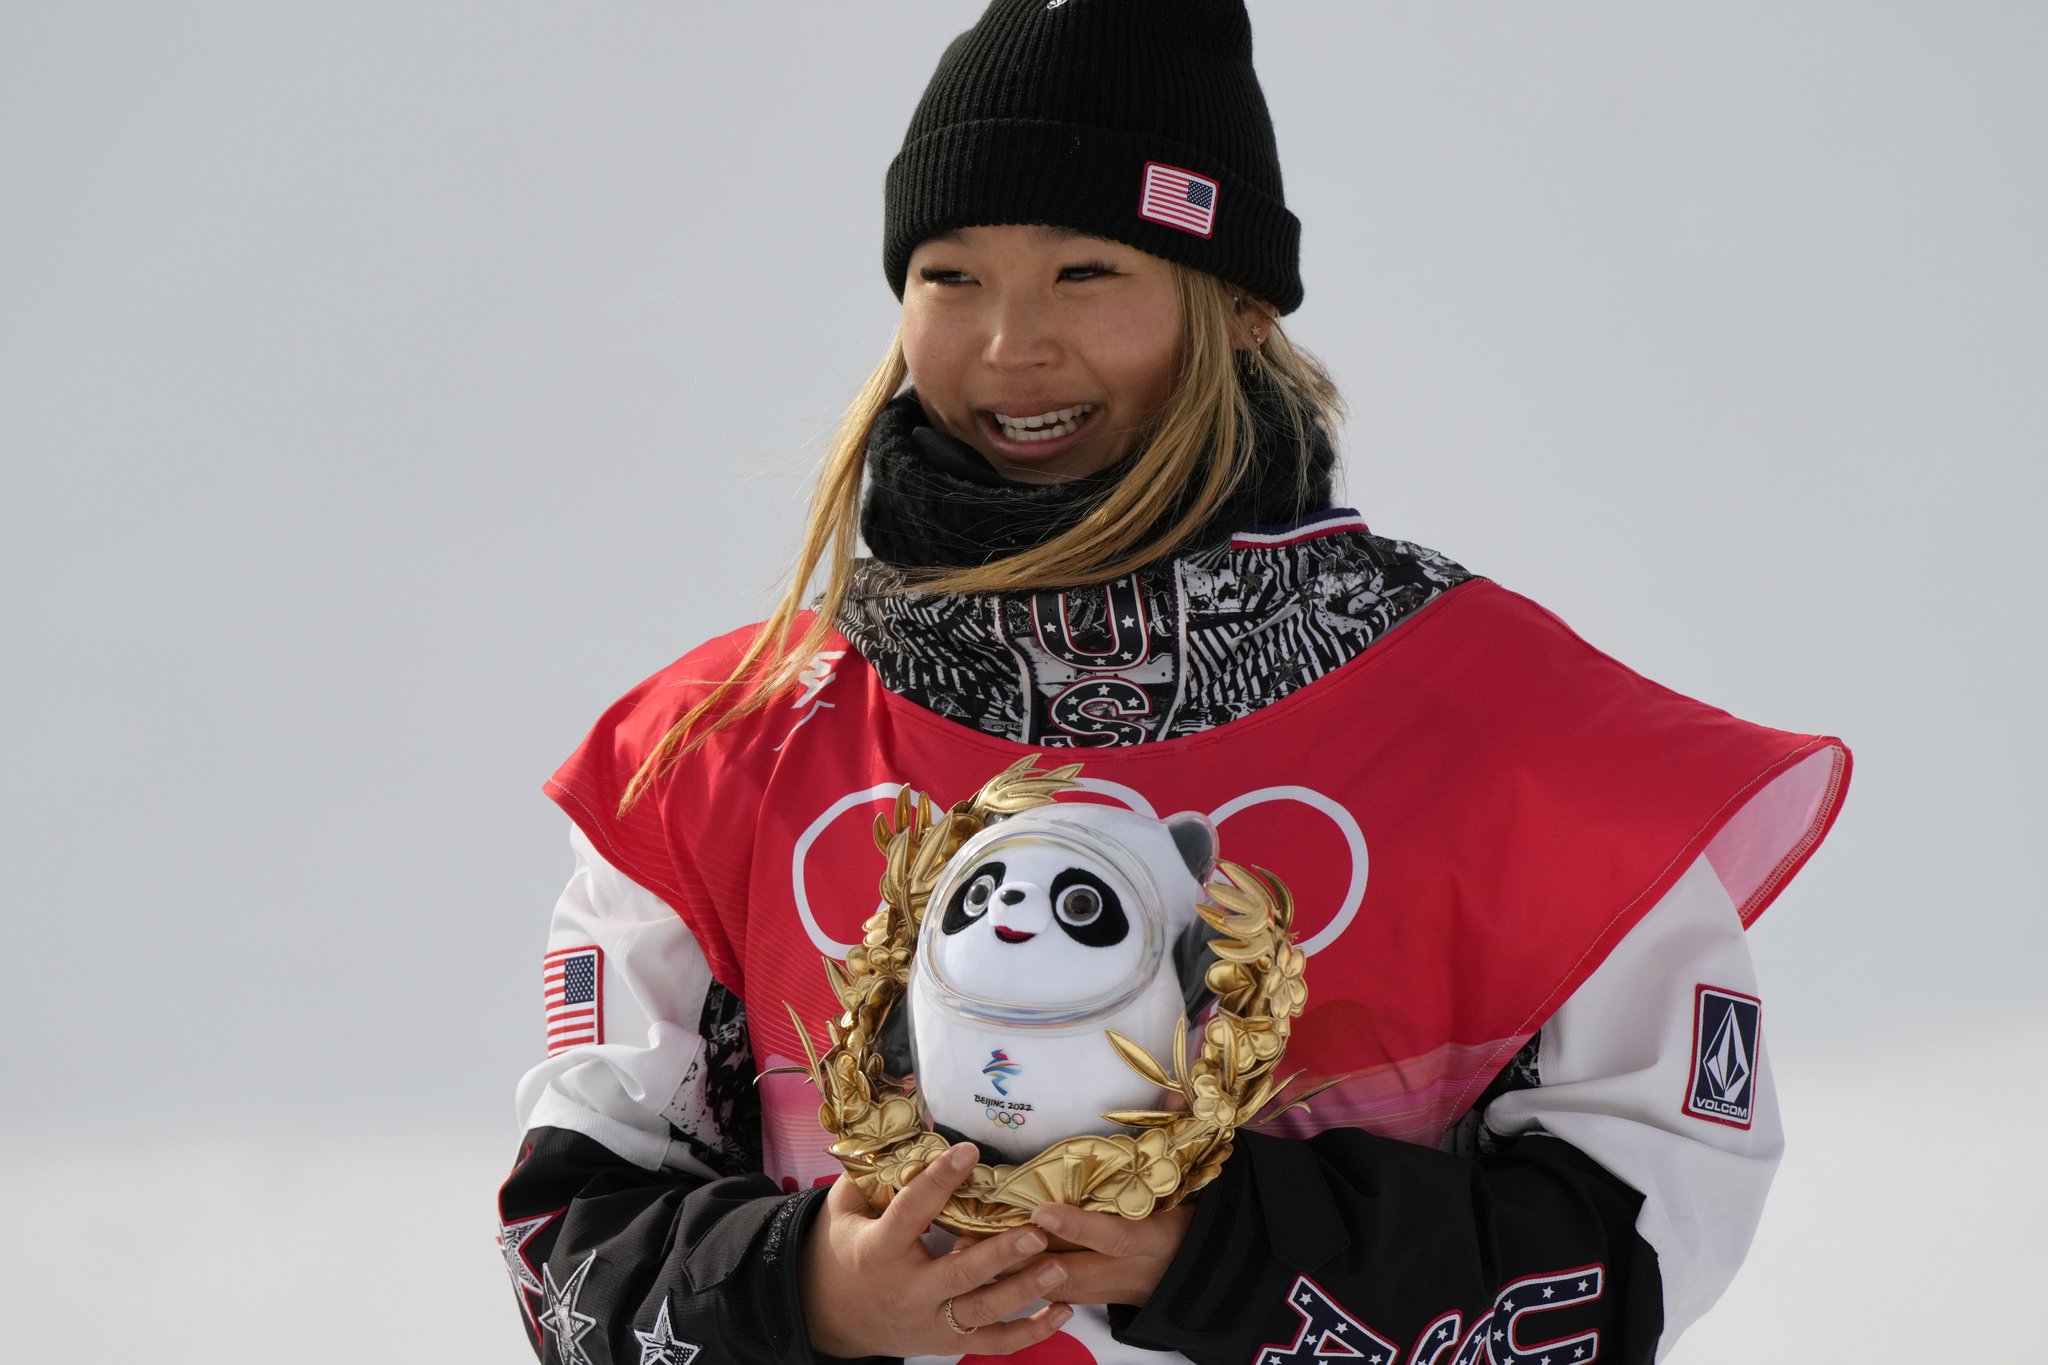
(1001, 1338)
(1108, 1233)
(1123, 1259)
(845, 1199)
(917, 1203)
(991, 1303)
(962, 1271)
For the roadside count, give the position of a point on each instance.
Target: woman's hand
(871, 1288)
(1115, 1260)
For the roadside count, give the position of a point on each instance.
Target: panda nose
(1010, 895)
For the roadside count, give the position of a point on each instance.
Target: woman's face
(1049, 352)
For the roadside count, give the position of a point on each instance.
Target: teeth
(1046, 426)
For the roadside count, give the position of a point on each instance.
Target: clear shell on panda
(1164, 1153)
(1044, 933)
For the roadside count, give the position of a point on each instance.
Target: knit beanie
(1140, 121)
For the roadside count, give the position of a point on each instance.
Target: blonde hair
(1206, 412)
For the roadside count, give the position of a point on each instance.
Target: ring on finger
(953, 1322)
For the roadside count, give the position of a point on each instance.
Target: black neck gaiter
(933, 502)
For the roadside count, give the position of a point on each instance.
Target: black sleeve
(614, 1263)
(1305, 1249)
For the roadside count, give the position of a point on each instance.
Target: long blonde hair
(1207, 411)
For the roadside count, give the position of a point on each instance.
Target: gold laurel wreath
(881, 1137)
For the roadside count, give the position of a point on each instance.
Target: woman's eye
(1086, 272)
(932, 274)
(978, 893)
(1079, 905)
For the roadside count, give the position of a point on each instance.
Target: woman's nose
(1023, 337)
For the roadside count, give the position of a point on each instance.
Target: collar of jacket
(934, 502)
(1185, 643)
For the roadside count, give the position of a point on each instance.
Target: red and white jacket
(1492, 831)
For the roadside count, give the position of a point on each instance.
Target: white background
(385, 387)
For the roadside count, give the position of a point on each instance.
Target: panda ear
(1195, 837)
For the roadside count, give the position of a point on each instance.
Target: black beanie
(1140, 121)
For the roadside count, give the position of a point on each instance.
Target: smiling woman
(1050, 353)
(1202, 415)
(1093, 478)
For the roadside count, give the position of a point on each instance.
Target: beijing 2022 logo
(1000, 1069)
(1003, 1113)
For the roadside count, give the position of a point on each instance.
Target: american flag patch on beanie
(1180, 199)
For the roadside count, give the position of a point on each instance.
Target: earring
(1237, 304)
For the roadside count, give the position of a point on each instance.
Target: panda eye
(969, 903)
(1079, 905)
(1088, 909)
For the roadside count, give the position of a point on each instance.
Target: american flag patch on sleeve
(1178, 198)
(572, 984)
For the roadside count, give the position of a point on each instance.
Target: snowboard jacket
(1523, 876)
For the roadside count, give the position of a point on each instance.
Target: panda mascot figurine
(1045, 931)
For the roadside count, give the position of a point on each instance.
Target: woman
(1094, 476)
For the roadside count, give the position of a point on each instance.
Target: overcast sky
(385, 387)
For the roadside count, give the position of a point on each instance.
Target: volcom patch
(1727, 1029)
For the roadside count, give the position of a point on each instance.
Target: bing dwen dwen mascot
(1089, 994)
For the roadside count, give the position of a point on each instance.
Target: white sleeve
(648, 1068)
(1655, 1069)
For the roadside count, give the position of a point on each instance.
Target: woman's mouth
(1038, 436)
(1044, 426)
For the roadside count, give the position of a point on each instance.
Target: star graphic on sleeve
(512, 1240)
(660, 1347)
(560, 1316)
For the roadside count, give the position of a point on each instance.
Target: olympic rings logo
(1346, 825)
(1005, 1118)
